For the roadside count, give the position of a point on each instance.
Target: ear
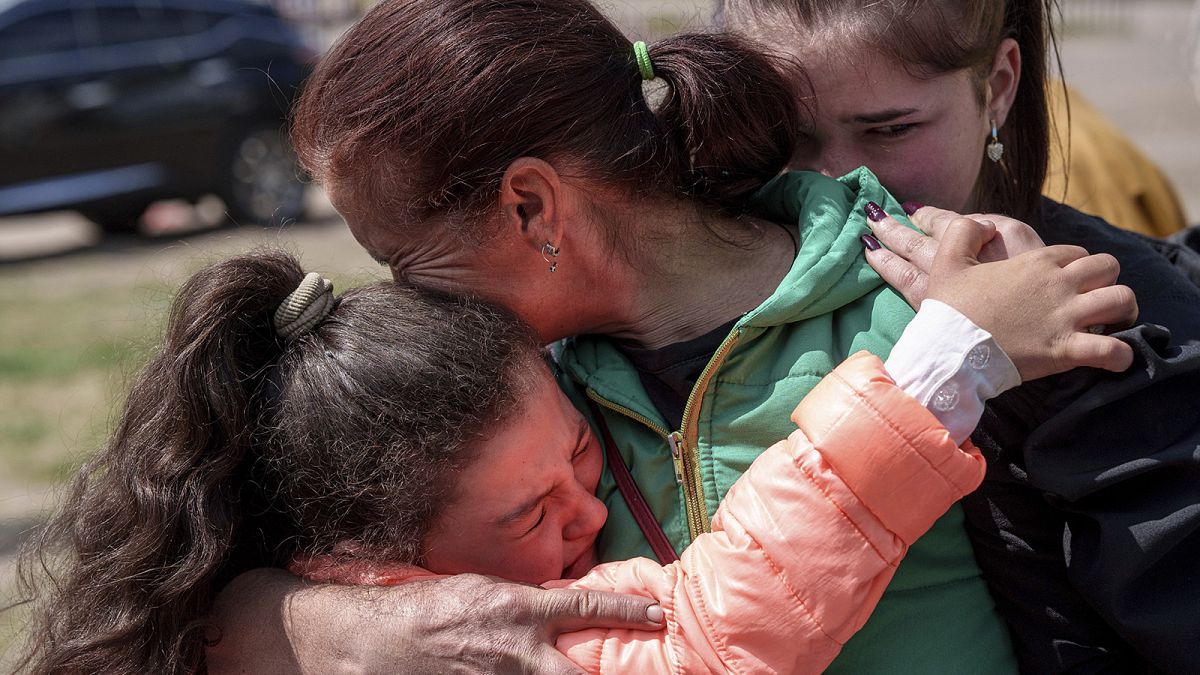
(1003, 80)
(531, 201)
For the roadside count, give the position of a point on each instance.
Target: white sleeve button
(945, 398)
(979, 357)
(951, 366)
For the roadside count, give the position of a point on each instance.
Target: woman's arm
(269, 621)
(815, 513)
(833, 510)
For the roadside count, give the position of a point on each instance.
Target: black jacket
(1088, 525)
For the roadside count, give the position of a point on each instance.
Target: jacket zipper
(661, 431)
(685, 454)
(687, 444)
(672, 439)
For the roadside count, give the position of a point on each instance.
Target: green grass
(63, 360)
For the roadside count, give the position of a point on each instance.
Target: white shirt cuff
(951, 366)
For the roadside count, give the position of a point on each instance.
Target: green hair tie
(643, 60)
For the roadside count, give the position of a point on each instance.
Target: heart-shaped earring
(995, 149)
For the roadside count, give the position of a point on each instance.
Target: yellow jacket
(1106, 174)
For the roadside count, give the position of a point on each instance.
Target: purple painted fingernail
(870, 242)
(874, 212)
(911, 207)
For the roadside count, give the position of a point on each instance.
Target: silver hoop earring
(995, 149)
(550, 254)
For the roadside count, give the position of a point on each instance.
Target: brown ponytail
(143, 539)
(727, 111)
(236, 450)
(422, 105)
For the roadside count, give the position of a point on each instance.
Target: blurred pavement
(1141, 70)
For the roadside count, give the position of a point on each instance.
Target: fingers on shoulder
(932, 220)
(902, 275)
(1098, 351)
(965, 237)
(1060, 254)
(906, 241)
(1094, 271)
(572, 609)
(1008, 226)
(1114, 306)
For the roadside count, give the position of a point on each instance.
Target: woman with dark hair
(958, 118)
(903, 50)
(354, 438)
(508, 150)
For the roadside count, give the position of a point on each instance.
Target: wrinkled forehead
(404, 244)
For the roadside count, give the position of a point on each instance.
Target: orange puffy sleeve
(802, 546)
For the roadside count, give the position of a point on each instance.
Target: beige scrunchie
(307, 306)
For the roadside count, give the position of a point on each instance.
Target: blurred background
(140, 139)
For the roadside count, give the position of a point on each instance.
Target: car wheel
(115, 219)
(262, 182)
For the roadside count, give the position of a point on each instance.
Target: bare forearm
(269, 621)
(265, 621)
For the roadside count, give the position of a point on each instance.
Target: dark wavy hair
(941, 36)
(413, 117)
(236, 449)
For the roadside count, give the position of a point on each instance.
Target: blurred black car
(108, 105)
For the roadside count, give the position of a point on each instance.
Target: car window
(198, 22)
(121, 25)
(39, 34)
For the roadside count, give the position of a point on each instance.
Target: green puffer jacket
(936, 616)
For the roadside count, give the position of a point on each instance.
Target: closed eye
(892, 130)
(541, 517)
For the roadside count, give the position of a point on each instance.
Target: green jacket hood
(830, 270)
